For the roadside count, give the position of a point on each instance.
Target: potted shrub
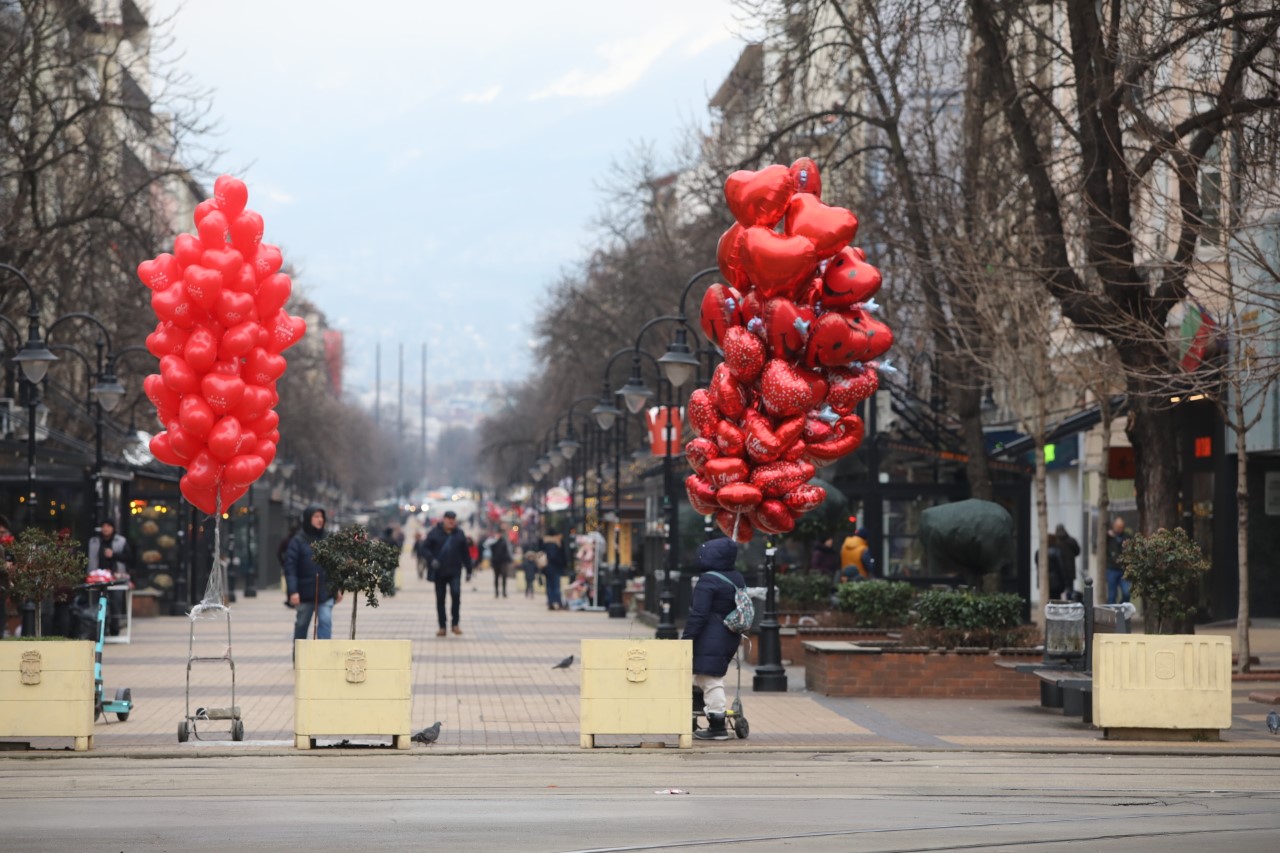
(804, 591)
(47, 686)
(876, 604)
(345, 687)
(947, 619)
(1165, 569)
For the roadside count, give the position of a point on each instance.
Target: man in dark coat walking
(714, 645)
(305, 579)
(448, 556)
(500, 560)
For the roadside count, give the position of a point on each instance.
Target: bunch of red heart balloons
(795, 321)
(220, 299)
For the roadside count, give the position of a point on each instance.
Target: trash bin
(1064, 630)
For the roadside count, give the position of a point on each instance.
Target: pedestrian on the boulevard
(109, 551)
(824, 559)
(449, 556)
(306, 581)
(853, 557)
(1057, 584)
(282, 550)
(1117, 587)
(557, 565)
(1068, 550)
(714, 645)
(500, 561)
(529, 565)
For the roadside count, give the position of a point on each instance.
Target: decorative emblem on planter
(30, 667)
(356, 666)
(1166, 665)
(637, 665)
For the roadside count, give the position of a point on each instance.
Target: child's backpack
(743, 614)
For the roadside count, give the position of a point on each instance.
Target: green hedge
(968, 611)
(876, 604)
(804, 591)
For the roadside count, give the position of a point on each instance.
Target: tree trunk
(1042, 522)
(39, 621)
(968, 407)
(1155, 449)
(355, 608)
(1242, 536)
(1104, 505)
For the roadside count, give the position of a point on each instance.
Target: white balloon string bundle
(212, 604)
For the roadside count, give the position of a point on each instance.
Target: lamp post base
(666, 625)
(617, 610)
(770, 675)
(771, 678)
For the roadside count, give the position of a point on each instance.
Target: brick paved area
(494, 687)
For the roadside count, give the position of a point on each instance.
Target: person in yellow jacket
(851, 555)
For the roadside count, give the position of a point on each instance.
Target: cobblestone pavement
(494, 687)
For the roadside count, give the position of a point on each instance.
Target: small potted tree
(345, 687)
(1148, 685)
(47, 686)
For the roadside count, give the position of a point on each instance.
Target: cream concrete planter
(1155, 686)
(352, 687)
(636, 687)
(46, 690)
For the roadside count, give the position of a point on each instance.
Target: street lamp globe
(678, 363)
(34, 359)
(109, 392)
(605, 414)
(635, 394)
(554, 456)
(568, 447)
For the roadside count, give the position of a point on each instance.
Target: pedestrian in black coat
(714, 645)
(446, 547)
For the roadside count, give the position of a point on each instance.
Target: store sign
(558, 499)
(664, 430)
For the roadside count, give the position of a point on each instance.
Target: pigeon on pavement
(1273, 723)
(428, 735)
(564, 664)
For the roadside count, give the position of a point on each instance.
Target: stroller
(734, 718)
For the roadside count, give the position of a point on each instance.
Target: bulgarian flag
(1196, 333)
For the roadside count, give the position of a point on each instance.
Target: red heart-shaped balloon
(202, 210)
(729, 439)
(795, 452)
(265, 449)
(226, 438)
(724, 471)
(226, 261)
(174, 305)
(787, 389)
(178, 375)
(786, 327)
(759, 198)
(848, 280)
(254, 403)
(161, 272)
(201, 350)
(246, 281)
(777, 263)
(847, 436)
(739, 497)
(187, 249)
(805, 497)
(879, 338)
(273, 293)
(234, 308)
(702, 495)
(703, 414)
(196, 416)
(263, 368)
(699, 451)
(160, 394)
(203, 498)
(762, 445)
(804, 174)
(829, 228)
(203, 471)
(230, 493)
(246, 232)
(730, 396)
(238, 341)
(777, 478)
(750, 310)
(222, 392)
(168, 339)
(231, 195)
(284, 332)
(267, 260)
(735, 525)
(743, 354)
(729, 257)
(273, 437)
(214, 230)
(264, 423)
(183, 443)
(719, 311)
(772, 516)
(244, 469)
(163, 450)
(847, 388)
(818, 428)
(202, 284)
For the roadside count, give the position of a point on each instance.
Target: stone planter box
(794, 638)
(352, 688)
(845, 669)
(1154, 686)
(46, 690)
(636, 687)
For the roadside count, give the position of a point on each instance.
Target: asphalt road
(608, 800)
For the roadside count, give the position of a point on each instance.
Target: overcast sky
(430, 166)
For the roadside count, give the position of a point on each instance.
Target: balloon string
(217, 546)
